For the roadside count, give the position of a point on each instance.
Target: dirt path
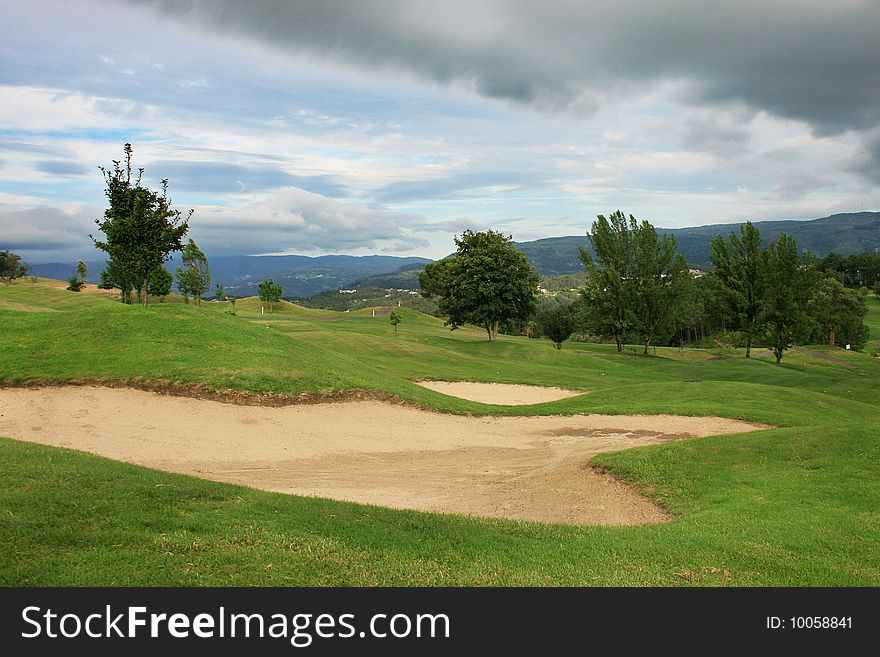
(530, 468)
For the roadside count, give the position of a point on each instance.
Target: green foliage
(160, 282)
(487, 282)
(369, 297)
(11, 267)
(740, 274)
(218, 293)
(556, 321)
(839, 314)
(564, 282)
(789, 286)
(394, 318)
(609, 295)
(74, 284)
(854, 270)
(636, 284)
(82, 270)
(194, 279)
(270, 293)
(663, 283)
(116, 275)
(141, 229)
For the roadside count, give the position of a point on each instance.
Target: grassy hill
(792, 505)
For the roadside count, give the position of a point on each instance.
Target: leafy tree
(141, 229)
(160, 283)
(662, 282)
(82, 270)
(638, 283)
(740, 272)
(218, 293)
(839, 314)
(270, 292)
(790, 282)
(487, 282)
(194, 279)
(11, 267)
(557, 322)
(609, 295)
(394, 318)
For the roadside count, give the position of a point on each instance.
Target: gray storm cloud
(818, 62)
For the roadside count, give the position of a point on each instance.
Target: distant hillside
(405, 277)
(304, 276)
(857, 232)
(300, 276)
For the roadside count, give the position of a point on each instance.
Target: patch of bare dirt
(525, 468)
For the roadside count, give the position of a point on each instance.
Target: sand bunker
(528, 468)
(503, 394)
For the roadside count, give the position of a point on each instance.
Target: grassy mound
(795, 505)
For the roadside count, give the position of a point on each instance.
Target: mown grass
(873, 320)
(794, 505)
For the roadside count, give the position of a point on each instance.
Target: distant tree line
(858, 270)
(639, 289)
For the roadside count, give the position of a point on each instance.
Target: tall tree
(194, 279)
(790, 283)
(11, 267)
(82, 270)
(141, 229)
(740, 273)
(487, 282)
(609, 295)
(662, 282)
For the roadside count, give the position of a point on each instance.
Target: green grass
(794, 505)
(873, 321)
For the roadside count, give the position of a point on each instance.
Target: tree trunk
(832, 338)
(144, 291)
(749, 345)
(778, 353)
(619, 345)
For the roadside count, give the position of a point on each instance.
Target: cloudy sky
(384, 126)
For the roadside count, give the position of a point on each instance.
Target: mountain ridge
(303, 276)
